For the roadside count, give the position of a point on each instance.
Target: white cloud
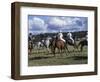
(70, 20)
(37, 24)
(57, 22)
(30, 23)
(76, 18)
(63, 21)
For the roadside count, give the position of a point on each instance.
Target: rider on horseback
(69, 36)
(30, 37)
(60, 36)
(30, 46)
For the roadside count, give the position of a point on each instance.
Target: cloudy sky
(43, 24)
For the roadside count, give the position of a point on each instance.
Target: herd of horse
(51, 44)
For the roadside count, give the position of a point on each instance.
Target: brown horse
(59, 44)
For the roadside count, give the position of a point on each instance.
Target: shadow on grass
(75, 57)
(38, 58)
(80, 57)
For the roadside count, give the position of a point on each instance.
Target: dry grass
(43, 58)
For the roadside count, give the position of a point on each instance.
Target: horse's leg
(73, 49)
(53, 50)
(37, 49)
(65, 51)
(60, 51)
(66, 47)
(47, 49)
(29, 51)
(81, 48)
(76, 47)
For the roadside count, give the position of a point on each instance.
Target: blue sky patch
(50, 24)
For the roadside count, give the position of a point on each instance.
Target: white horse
(46, 43)
(39, 45)
(43, 44)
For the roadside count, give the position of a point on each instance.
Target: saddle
(58, 40)
(69, 41)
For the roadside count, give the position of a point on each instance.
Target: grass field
(42, 58)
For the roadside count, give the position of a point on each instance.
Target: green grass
(43, 58)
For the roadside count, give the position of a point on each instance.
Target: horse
(30, 46)
(59, 44)
(43, 44)
(46, 43)
(39, 45)
(82, 43)
(70, 43)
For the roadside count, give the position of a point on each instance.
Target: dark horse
(59, 44)
(30, 43)
(82, 43)
(69, 42)
(30, 47)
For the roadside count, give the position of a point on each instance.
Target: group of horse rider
(60, 37)
(69, 37)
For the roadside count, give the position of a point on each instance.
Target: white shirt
(60, 35)
(69, 34)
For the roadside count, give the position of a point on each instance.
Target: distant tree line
(76, 35)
